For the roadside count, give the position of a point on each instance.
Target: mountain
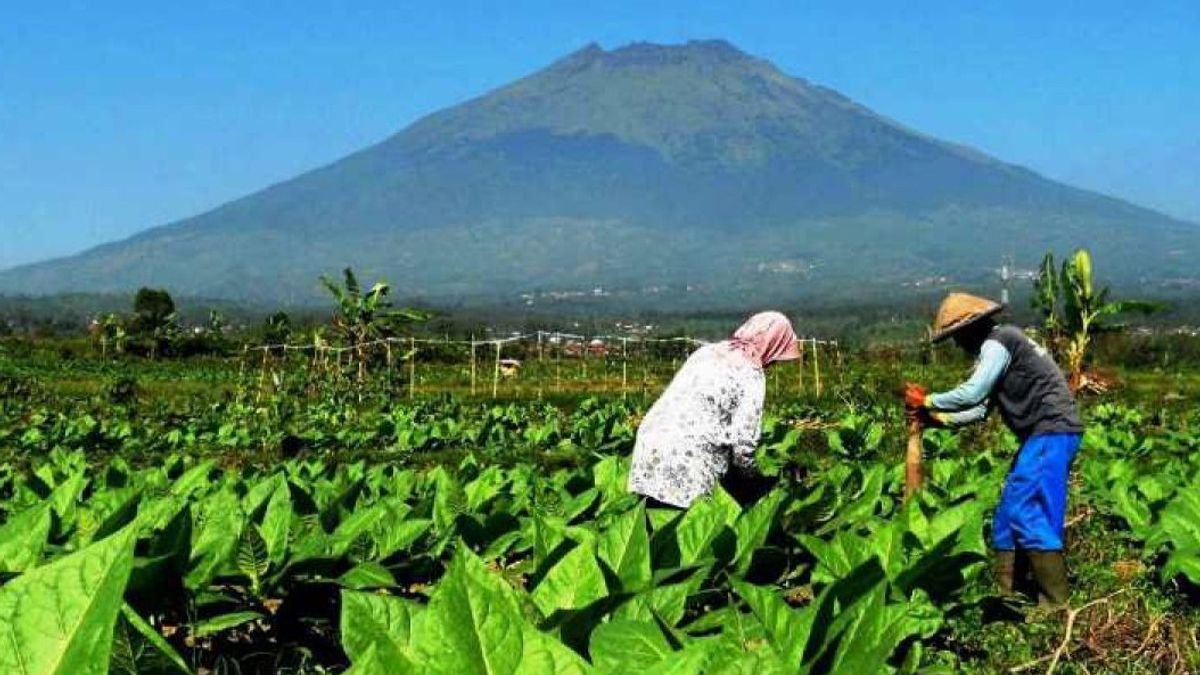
(658, 173)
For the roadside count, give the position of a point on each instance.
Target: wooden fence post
(242, 365)
(262, 377)
(816, 368)
(472, 364)
(800, 370)
(412, 366)
(558, 364)
(624, 366)
(496, 373)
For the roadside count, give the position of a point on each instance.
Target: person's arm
(993, 361)
(745, 427)
(963, 417)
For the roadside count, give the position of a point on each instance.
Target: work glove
(914, 397)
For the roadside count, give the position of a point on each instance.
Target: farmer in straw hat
(1016, 375)
(710, 416)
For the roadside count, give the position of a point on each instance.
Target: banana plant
(364, 316)
(112, 333)
(1074, 310)
(1085, 309)
(164, 334)
(1045, 300)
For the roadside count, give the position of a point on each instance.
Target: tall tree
(154, 319)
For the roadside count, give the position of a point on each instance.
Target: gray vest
(1032, 394)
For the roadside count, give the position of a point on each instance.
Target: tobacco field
(358, 531)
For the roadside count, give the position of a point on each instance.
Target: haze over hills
(659, 173)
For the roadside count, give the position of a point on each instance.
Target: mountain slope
(639, 169)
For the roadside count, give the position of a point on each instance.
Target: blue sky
(119, 116)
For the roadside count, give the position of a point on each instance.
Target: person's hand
(914, 396)
(929, 419)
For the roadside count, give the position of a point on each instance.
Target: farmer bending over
(710, 416)
(1018, 376)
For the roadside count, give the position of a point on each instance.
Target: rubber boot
(1050, 572)
(1006, 567)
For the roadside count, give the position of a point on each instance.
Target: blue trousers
(1034, 502)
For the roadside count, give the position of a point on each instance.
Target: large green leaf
(65, 501)
(359, 524)
(369, 663)
(787, 629)
(626, 646)
(753, 526)
(123, 657)
(59, 618)
(223, 622)
(838, 556)
(1180, 520)
(123, 512)
(574, 582)
(725, 654)
(23, 537)
(869, 632)
(699, 532)
(167, 659)
(667, 602)
(1185, 562)
(367, 575)
(276, 523)
(397, 535)
(548, 533)
(377, 622)
(486, 486)
(252, 560)
(217, 539)
(863, 504)
(474, 624)
(449, 501)
(259, 494)
(193, 479)
(625, 547)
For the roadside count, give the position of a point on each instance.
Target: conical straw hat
(959, 310)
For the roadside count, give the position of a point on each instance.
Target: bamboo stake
(624, 366)
(558, 365)
(496, 373)
(472, 364)
(912, 459)
(412, 366)
(541, 368)
(816, 368)
(800, 371)
(262, 378)
(362, 363)
(645, 370)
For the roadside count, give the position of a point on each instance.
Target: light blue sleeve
(993, 361)
(964, 417)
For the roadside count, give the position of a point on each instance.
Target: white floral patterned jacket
(709, 416)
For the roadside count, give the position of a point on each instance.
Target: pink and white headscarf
(765, 338)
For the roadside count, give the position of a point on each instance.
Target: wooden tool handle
(912, 459)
